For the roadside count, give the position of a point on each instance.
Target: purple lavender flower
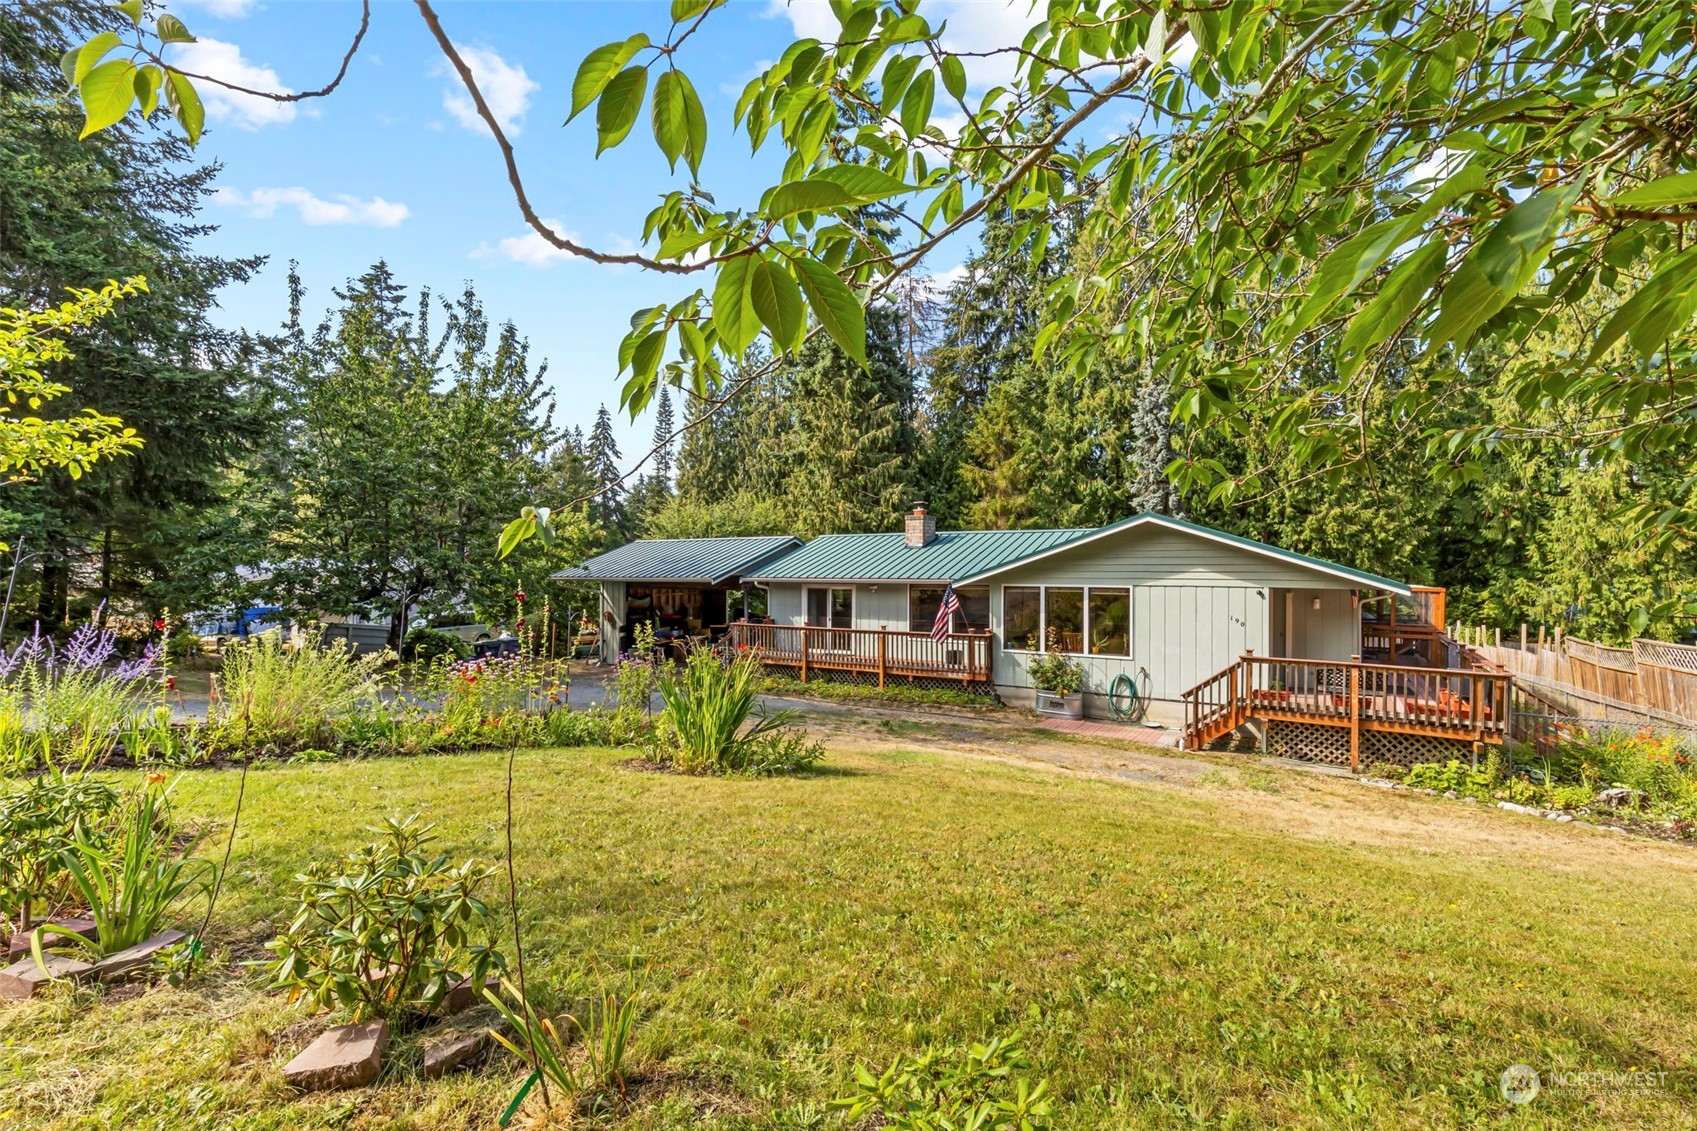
(89, 647)
(139, 668)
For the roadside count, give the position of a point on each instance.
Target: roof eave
(1361, 578)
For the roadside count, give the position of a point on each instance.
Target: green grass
(1322, 956)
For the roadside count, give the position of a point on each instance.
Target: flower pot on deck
(1060, 705)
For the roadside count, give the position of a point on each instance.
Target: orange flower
(155, 777)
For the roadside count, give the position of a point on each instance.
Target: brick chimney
(921, 527)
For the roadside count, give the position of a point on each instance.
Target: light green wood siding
(1154, 555)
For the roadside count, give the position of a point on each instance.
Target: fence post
(1355, 716)
(804, 654)
(883, 638)
(1523, 636)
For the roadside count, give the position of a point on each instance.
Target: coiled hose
(1127, 699)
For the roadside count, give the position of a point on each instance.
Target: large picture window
(1110, 622)
(923, 601)
(1063, 619)
(1022, 617)
(1085, 620)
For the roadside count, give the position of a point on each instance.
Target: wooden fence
(1651, 679)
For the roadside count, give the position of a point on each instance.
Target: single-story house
(1165, 601)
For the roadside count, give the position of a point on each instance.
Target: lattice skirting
(1330, 745)
(870, 679)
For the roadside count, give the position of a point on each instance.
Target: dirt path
(1282, 797)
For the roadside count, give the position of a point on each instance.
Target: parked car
(470, 633)
(251, 622)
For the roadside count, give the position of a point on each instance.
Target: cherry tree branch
(276, 96)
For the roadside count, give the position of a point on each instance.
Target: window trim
(1128, 589)
(961, 615)
(854, 605)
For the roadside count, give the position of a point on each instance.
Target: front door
(832, 608)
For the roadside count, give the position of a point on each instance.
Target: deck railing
(960, 655)
(1471, 703)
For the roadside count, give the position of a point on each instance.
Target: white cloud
(529, 249)
(974, 25)
(1439, 165)
(506, 88)
(262, 204)
(221, 9)
(225, 61)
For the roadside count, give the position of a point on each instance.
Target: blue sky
(394, 165)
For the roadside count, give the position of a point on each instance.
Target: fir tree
(602, 456)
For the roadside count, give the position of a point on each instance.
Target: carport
(680, 586)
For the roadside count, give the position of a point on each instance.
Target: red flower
(519, 596)
(170, 683)
(159, 625)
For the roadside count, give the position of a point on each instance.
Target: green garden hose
(1128, 703)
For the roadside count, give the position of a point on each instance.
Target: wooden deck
(961, 656)
(1470, 705)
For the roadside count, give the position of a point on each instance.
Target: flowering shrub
(67, 704)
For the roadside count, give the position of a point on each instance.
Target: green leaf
(734, 316)
(645, 359)
(695, 125)
(515, 532)
(1500, 265)
(670, 131)
(1661, 307)
(599, 68)
(1406, 285)
(1664, 192)
(954, 75)
(171, 30)
(148, 80)
(1155, 46)
(91, 53)
(616, 113)
(916, 103)
(865, 183)
(132, 9)
(777, 300)
(688, 9)
(185, 103)
(897, 73)
(1352, 261)
(68, 66)
(679, 244)
(835, 306)
(107, 93)
(812, 195)
(910, 28)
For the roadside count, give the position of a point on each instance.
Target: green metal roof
(1150, 518)
(705, 561)
(887, 557)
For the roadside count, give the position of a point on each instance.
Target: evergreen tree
(854, 446)
(607, 509)
(76, 213)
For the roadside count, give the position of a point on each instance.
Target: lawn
(1238, 949)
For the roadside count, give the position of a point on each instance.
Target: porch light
(1316, 604)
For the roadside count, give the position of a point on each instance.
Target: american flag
(945, 613)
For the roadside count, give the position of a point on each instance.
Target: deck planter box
(1061, 706)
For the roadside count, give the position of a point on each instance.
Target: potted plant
(1274, 693)
(1059, 682)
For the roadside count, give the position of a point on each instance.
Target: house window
(830, 608)
(1022, 616)
(1063, 618)
(923, 600)
(1110, 622)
